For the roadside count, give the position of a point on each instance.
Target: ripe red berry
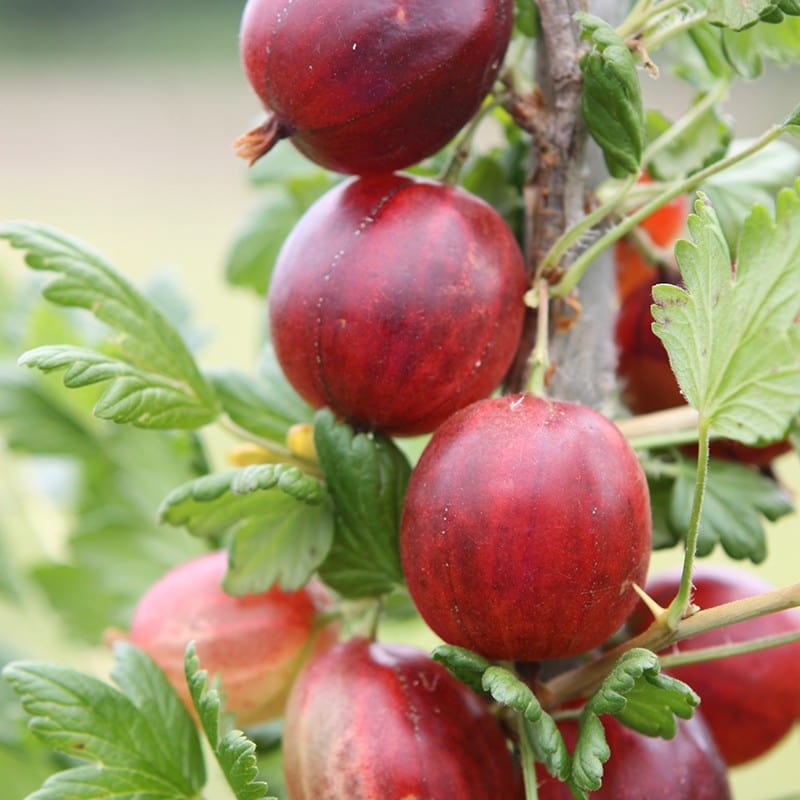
(256, 643)
(372, 721)
(750, 701)
(686, 767)
(397, 301)
(370, 85)
(525, 524)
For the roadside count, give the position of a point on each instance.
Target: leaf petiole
(576, 271)
(678, 606)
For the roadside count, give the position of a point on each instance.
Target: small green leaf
(612, 97)
(36, 421)
(154, 381)
(590, 754)
(234, 752)
(737, 500)
(465, 665)
(366, 476)
(140, 738)
(639, 696)
(279, 520)
(704, 142)
(545, 738)
(731, 335)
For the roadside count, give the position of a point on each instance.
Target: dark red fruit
(370, 85)
(369, 721)
(525, 524)
(686, 767)
(749, 701)
(256, 643)
(397, 301)
(648, 384)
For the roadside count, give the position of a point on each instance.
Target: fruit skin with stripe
(396, 301)
(525, 525)
(372, 85)
(256, 644)
(750, 701)
(375, 721)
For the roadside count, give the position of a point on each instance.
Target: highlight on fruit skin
(363, 86)
(750, 701)
(371, 721)
(525, 525)
(395, 301)
(256, 644)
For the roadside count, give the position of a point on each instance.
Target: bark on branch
(554, 194)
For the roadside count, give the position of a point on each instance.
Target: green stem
(576, 271)
(645, 14)
(727, 650)
(681, 601)
(463, 147)
(572, 235)
(652, 41)
(540, 358)
(582, 680)
(527, 760)
(689, 118)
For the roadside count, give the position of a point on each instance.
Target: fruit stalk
(582, 680)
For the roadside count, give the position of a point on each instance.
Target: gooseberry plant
(435, 432)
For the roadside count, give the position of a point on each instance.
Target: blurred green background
(116, 125)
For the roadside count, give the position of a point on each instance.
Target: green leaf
(154, 381)
(737, 14)
(639, 696)
(612, 97)
(701, 59)
(703, 143)
(590, 754)
(234, 752)
(737, 500)
(526, 18)
(731, 335)
(140, 739)
(36, 421)
(118, 488)
(545, 738)
(278, 518)
(756, 180)
(265, 408)
(366, 475)
(465, 665)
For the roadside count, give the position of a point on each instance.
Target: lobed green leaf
(737, 500)
(278, 518)
(639, 696)
(234, 752)
(154, 381)
(140, 739)
(731, 334)
(543, 734)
